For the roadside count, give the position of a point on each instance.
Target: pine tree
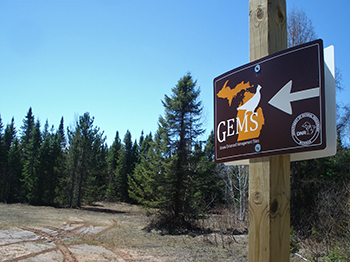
(135, 158)
(207, 190)
(61, 189)
(27, 128)
(26, 135)
(112, 161)
(121, 176)
(143, 185)
(11, 165)
(97, 179)
(50, 165)
(14, 171)
(182, 123)
(86, 149)
(125, 167)
(146, 184)
(61, 136)
(72, 165)
(145, 144)
(9, 177)
(31, 166)
(45, 164)
(172, 172)
(141, 139)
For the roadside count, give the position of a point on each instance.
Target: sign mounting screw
(257, 148)
(257, 68)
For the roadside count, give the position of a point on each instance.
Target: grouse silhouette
(252, 103)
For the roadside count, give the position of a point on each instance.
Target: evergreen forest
(171, 170)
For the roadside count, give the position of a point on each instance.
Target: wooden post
(267, 27)
(269, 177)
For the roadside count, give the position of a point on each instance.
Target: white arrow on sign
(283, 99)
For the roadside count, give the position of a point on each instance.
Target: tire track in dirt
(20, 242)
(56, 235)
(30, 255)
(125, 256)
(114, 224)
(67, 254)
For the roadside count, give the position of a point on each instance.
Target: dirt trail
(103, 232)
(70, 243)
(75, 239)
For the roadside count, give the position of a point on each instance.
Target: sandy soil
(103, 232)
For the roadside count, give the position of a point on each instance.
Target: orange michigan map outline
(249, 123)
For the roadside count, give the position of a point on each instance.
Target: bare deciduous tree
(236, 185)
(300, 29)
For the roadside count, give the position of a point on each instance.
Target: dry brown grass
(119, 229)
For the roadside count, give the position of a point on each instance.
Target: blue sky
(117, 59)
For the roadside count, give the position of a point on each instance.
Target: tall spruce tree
(125, 167)
(143, 185)
(96, 181)
(72, 166)
(31, 166)
(14, 172)
(27, 128)
(61, 189)
(28, 168)
(61, 135)
(45, 164)
(145, 144)
(10, 176)
(112, 162)
(50, 165)
(177, 134)
(85, 143)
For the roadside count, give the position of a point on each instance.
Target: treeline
(48, 166)
(69, 167)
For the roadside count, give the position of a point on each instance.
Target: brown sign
(272, 106)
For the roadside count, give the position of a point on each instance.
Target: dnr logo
(305, 129)
(249, 119)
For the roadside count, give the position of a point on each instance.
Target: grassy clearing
(124, 232)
